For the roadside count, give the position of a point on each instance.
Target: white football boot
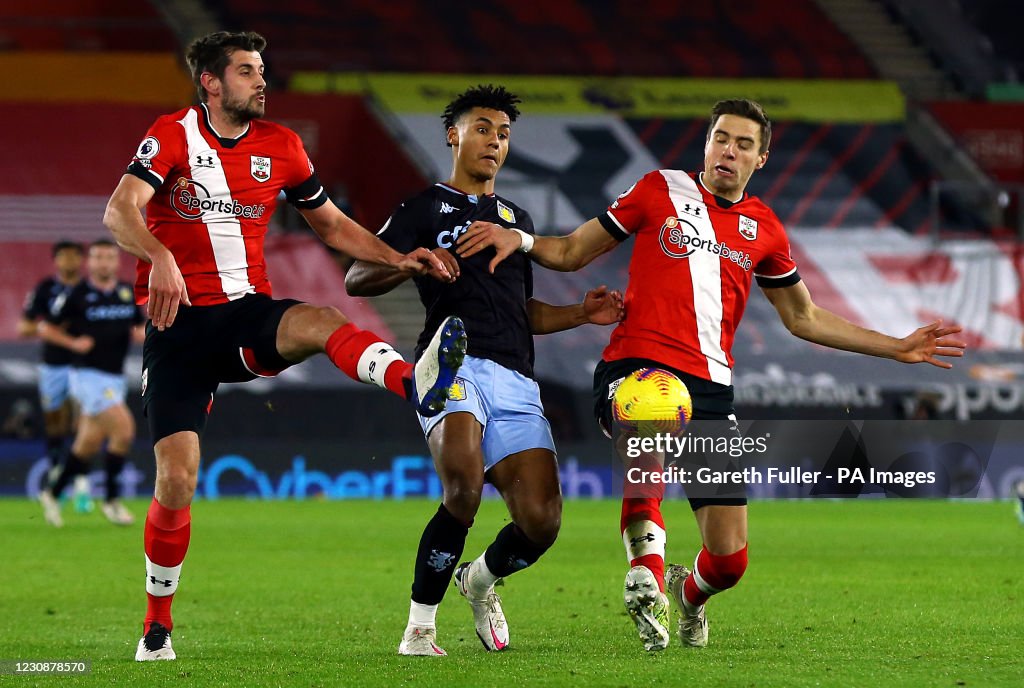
(693, 628)
(648, 607)
(488, 616)
(51, 509)
(117, 514)
(156, 644)
(420, 641)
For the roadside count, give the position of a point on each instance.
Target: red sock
(166, 539)
(361, 355)
(641, 523)
(713, 573)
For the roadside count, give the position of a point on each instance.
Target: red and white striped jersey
(693, 261)
(215, 197)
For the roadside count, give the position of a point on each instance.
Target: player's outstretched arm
(342, 233)
(564, 253)
(821, 326)
(123, 217)
(369, 279)
(600, 307)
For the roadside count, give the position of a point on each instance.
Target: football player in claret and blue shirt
(58, 415)
(493, 428)
(96, 322)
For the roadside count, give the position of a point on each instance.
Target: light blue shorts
(507, 405)
(96, 390)
(53, 386)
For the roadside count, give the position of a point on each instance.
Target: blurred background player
(97, 322)
(57, 406)
(209, 177)
(493, 428)
(1018, 501)
(682, 316)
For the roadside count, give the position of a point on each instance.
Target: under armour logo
(692, 210)
(206, 160)
(166, 583)
(649, 537)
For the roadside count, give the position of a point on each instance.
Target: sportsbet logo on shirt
(191, 200)
(679, 239)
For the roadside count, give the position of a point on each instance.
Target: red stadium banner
(992, 133)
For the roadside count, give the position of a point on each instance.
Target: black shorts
(711, 402)
(183, 365)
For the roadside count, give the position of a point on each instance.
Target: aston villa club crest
(259, 167)
(748, 228)
(457, 392)
(505, 213)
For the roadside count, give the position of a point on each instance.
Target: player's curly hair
(748, 109)
(490, 96)
(212, 53)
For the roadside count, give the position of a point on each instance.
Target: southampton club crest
(748, 228)
(259, 167)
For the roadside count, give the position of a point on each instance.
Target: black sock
(72, 467)
(441, 546)
(55, 449)
(512, 551)
(114, 465)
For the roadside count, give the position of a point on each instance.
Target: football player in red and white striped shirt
(209, 177)
(700, 241)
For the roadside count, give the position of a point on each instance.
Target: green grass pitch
(847, 593)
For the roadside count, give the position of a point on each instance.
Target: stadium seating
(818, 175)
(58, 25)
(608, 37)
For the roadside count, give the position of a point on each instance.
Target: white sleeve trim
(618, 224)
(785, 274)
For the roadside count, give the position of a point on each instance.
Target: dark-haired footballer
(493, 428)
(209, 177)
(700, 241)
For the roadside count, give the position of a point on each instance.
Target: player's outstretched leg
(364, 356)
(435, 371)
